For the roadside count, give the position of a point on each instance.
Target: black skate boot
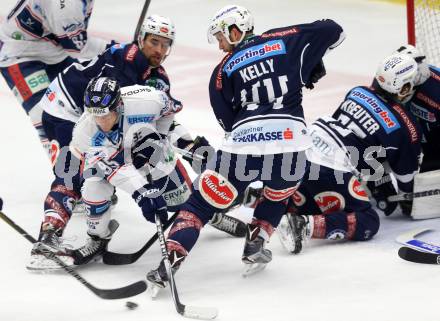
(50, 244)
(95, 247)
(255, 256)
(158, 278)
(228, 224)
(293, 230)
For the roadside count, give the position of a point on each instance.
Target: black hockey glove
(200, 152)
(150, 200)
(380, 191)
(149, 150)
(317, 73)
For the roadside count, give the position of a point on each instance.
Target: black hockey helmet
(102, 95)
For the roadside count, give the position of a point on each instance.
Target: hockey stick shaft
(193, 312)
(110, 294)
(112, 258)
(141, 19)
(411, 196)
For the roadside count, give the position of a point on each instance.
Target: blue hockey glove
(151, 202)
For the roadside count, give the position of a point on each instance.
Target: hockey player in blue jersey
(255, 93)
(371, 134)
(424, 104)
(38, 39)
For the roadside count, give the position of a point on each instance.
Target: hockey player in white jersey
(117, 135)
(38, 39)
(121, 139)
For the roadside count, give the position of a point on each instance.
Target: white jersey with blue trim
(145, 111)
(47, 31)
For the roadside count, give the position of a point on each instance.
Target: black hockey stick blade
(112, 258)
(415, 256)
(108, 294)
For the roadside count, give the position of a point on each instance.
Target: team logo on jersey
(329, 202)
(378, 109)
(254, 53)
(423, 113)
(216, 190)
(143, 118)
(336, 235)
(356, 190)
(298, 198)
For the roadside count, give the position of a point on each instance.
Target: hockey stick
(203, 313)
(141, 19)
(409, 240)
(109, 294)
(411, 196)
(415, 256)
(112, 258)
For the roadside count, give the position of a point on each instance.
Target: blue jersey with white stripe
(264, 74)
(126, 63)
(370, 124)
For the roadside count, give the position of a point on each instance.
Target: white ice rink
(332, 282)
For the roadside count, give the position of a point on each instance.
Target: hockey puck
(1, 204)
(131, 305)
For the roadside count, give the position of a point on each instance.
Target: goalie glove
(317, 73)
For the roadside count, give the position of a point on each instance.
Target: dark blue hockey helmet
(102, 96)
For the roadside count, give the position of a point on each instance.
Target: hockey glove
(201, 152)
(380, 191)
(151, 202)
(317, 73)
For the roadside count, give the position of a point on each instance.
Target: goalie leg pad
(427, 206)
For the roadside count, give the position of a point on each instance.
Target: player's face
(156, 48)
(223, 44)
(106, 122)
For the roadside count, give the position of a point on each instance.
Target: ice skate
(255, 256)
(50, 244)
(157, 279)
(293, 231)
(228, 224)
(95, 246)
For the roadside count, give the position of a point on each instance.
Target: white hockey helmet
(156, 25)
(424, 72)
(227, 17)
(394, 72)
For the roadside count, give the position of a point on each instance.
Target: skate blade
(250, 269)
(39, 263)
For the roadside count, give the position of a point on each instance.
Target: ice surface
(343, 282)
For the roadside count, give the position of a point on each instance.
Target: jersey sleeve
(317, 39)
(221, 98)
(404, 160)
(68, 22)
